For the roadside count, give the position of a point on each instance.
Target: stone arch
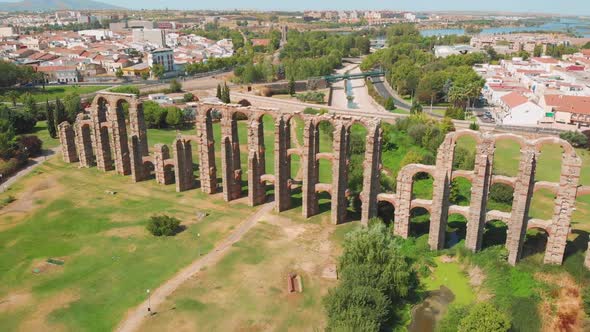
(501, 196)
(386, 211)
(456, 230)
(422, 185)
(536, 241)
(419, 223)
(495, 233)
(459, 194)
(456, 135)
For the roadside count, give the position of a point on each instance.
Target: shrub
(473, 126)
(451, 319)
(575, 138)
(502, 193)
(389, 104)
(312, 96)
(175, 86)
(163, 225)
(456, 113)
(484, 317)
(188, 97)
(31, 145)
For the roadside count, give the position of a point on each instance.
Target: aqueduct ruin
(100, 138)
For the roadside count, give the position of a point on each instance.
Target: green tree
(218, 94)
(6, 139)
(575, 138)
(174, 117)
(292, 86)
(119, 73)
(145, 76)
(412, 157)
(389, 104)
(485, 317)
(50, 120)
(163, 225)
(356, 309)
(226, 94)
(188, 97)
(59, 113)
(416, 108)
(72, 106)
(29, 104)
(538, 50)
(158, 71)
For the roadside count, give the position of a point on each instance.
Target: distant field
(52, 92)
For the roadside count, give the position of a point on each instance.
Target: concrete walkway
(31, 165)
(137, 316)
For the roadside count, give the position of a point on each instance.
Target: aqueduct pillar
(67, 139)
(282, 164)
(161, 156)
(83, 133)
(440, 194)
(371, 172)
(523, 190)
(206, 146)
(403, 193)
(480, 186)
(256, 161)
(571, 166)
(183, 164)
(119, 143)
(231, 167)
(310, 168)
(340, 170)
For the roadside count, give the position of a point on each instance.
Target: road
(138, 315)
(31, 165)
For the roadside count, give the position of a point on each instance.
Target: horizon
(565, 7)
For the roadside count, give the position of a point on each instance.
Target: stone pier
(67, 140)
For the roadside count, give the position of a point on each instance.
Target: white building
(519, 110)
(98, 34)
(155, 37)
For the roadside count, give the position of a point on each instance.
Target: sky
(573, 7)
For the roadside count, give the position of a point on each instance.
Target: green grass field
(65, 213)
(52, 92)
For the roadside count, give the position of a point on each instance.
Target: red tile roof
(571, 104)
(545, 60)
(514, 99)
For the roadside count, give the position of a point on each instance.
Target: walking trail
(137, 315)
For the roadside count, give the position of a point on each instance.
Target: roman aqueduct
(100, 138)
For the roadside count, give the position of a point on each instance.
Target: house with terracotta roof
(568, 109)
(519, 110)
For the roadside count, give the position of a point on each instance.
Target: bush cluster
(163, 225)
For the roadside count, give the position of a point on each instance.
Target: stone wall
(104, 133)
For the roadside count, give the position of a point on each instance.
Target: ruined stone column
(282, 164)
(523, 191)
(84, 141)
(310, 167)
(403, 193)
(138, 126)
(480, 186)
(183, 164)
(139, 172)
(163, 174)
(230, 157)
(256, 161)
(102, 144)
(371, 172)
(119, 142)
(440, 193)
(67, 140)
(206, 145)
(571, 166)
(340, 171)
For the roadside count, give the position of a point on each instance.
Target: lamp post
(198, 243)
(149, 301)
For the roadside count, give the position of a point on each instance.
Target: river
(578, 26)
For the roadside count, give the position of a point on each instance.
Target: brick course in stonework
(101, 139)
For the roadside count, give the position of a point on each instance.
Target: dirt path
(136, 316)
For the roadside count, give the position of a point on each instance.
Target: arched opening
(542, 204)
(460, 192)
(456, 229)
(105, 140)
(506, 157)
(464, 154)
(495, 233)
(548, 167)
(169, 176)
(150, 169)
(422, 186)
(386, 212)
(213, 117)
(500, 197)
(355, 169)
(325, 145)
(324, 201)
(535, 243)
(419, 221)
(580, 234)
(241, 157)
(296, 127)
(267, 129)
